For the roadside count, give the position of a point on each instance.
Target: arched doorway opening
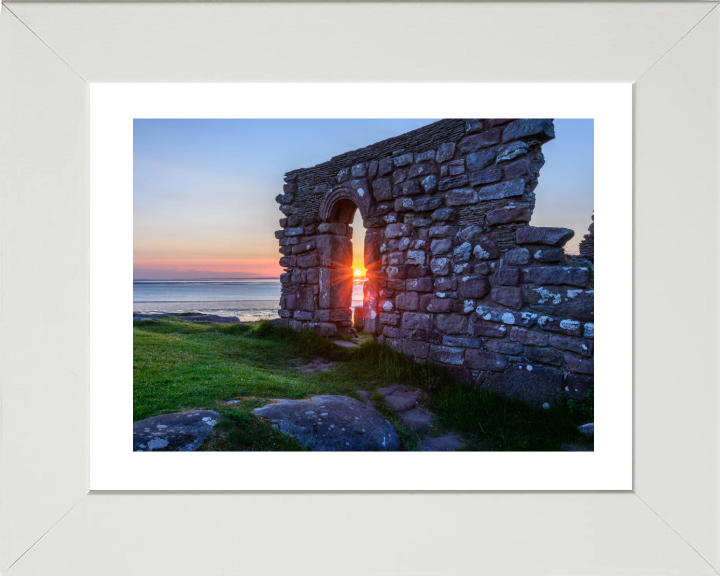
(341, 244)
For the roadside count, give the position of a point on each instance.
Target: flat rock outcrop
(332, 423)
(181, 432)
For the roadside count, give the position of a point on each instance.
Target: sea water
(217, 290)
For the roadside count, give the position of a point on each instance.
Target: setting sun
(358, 272)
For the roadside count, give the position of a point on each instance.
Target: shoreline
(245, 310)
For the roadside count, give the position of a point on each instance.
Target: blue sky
(204, 190)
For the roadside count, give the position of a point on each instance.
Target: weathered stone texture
(456, 274)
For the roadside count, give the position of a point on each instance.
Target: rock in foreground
(182, 432)
(332, 423)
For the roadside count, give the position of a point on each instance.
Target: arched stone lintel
(360, 197)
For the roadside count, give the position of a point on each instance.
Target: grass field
(180, 366)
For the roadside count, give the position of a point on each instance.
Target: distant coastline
(153, 274)
(201, 279)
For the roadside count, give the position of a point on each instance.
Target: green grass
(180, 366)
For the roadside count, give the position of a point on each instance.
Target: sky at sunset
(204, 190)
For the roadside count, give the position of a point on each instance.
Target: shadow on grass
(179, 365)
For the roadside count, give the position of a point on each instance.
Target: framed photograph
(450, 300)
(395, 166)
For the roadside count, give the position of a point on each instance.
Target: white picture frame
(114, 466)
(49, 523)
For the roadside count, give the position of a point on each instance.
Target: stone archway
(456, 275)
(337, 212)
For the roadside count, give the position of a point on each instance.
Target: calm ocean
(215, 290)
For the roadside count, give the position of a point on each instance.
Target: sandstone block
(516, 169)
(396, 230)
(461, 197)
(520, 213)
(453, 182)
(544, 355)
(479, 160)
(486, 177)
(385, 166)
(415, 258)
(389, 319)
(382, 189)
(577, 385)
(443, 231)
(549, 255)
(502, 347)
(491, 330)
(429, 184)
(427, 204)
(478, 141)
(533, 384)
(512, 150)
(461, 342)
(569, 302)
(334, 315)
(451, 323)
(427, 156)
(542, 129)
(462, 252)
(487, 250)
(507, 277)
(419, 284)
(577, 345)
(403, 160)
(505, 189)
(336, 228)
(447, 355)
(510, 296)
(294, 231)
(440, 306)
(335, 287)
(373, 257)
(422, 169)
(411, 188)
(474, 125)
(372, 168)
(579, 365)
(482, 360)
(492, 314)
(407, 301)
(456, 167)
(359, 171)
(517, 257)
(415, 321)
(445, 284)
(574, 276)
(472, 233)
(288, 261)
(307, 260)
(415, 348)
(546, 236)
(474, 286)
(334, 251)
(529, 337)
(446, 152)
(564, 326)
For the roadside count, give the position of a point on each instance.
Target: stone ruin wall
(456, 276)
